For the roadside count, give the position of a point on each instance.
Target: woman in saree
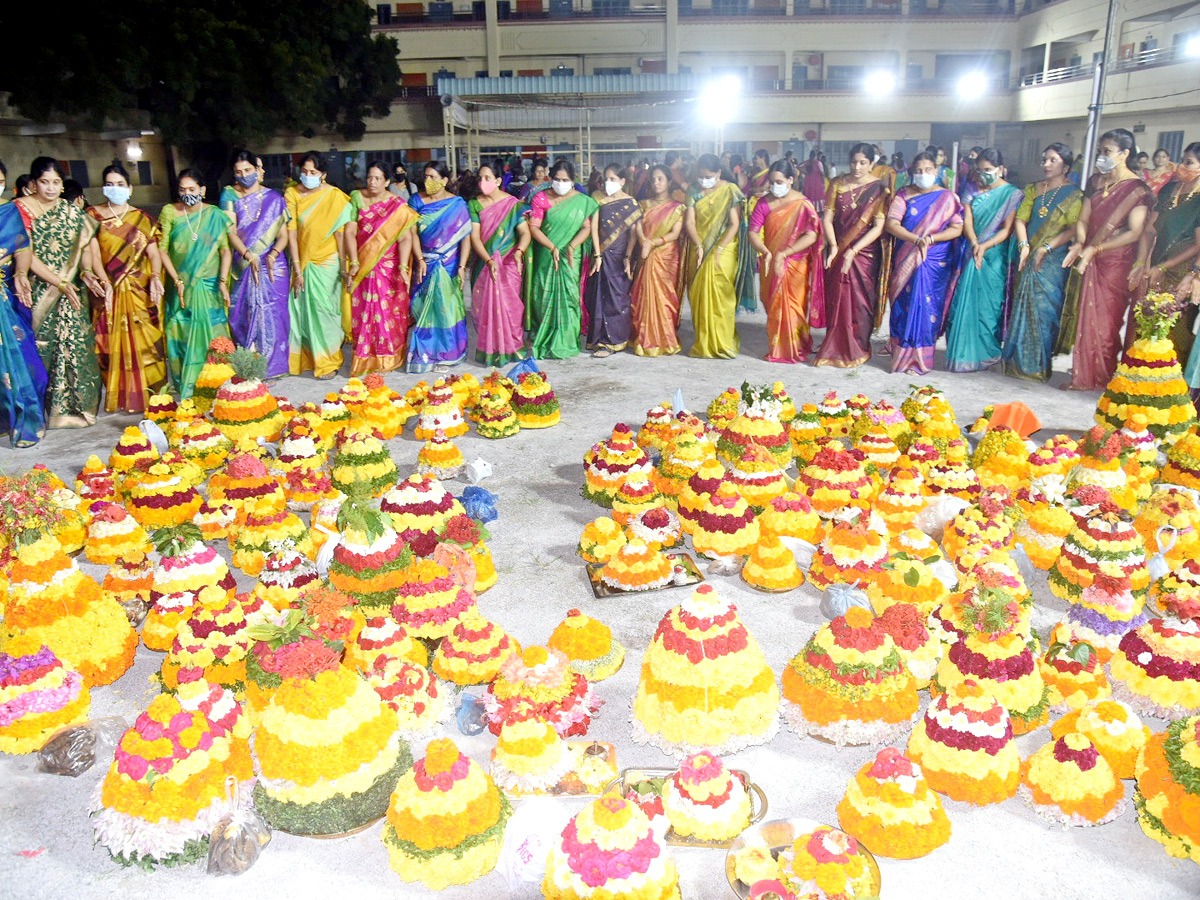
(976, 315)
(127, 320)
(1045, 225)
(814, 182)
(539, 180)
(785, 229)
(437, 337)
(607, 294)
(258, 308)
(758, 184)
(1110, 225)
(318, 214)
(654, 306)
(560, 223)
(925, 220)
(855, 209)
(718, 262)
(61, 236)
(1160, 176)
(22, 375)
(195, 245)
(1169, 243)
(500, 238)
(379, 242)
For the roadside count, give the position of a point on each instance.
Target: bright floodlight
(879, 83)
(972, 86)
(134, 150)
(719, 97)
(1192, 47)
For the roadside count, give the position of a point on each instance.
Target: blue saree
(438, 335)
(23, 378)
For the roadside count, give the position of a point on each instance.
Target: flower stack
(530, 756)
(657, 525)
(159, 498)
(285, 575)
(1141, 462)
(726, 525)
(705, 800)
(964, 745)
(421, 704)
(849, 684)
(902, 497)
(214, 373)
(936, 423)
(1156, 668)
(757, 423)
(382, 637)
(243, 483)
(440, 457)
(1148, 379)
(609, 463)
(299, 450)
(129, 582)
(758, 477)
(474, 651)
(1073, 673)
(441, 412)
(468, 534)
(681, 458)
(635, 495)
(657, 428)
(114, 535)
(204, 444)
(419, 508)
(267, 524)
(601, 539)
(1046, 520)
(328, 748)
(879, 452)
(243, 407)
(132, 447)
(369, 560)
(953, 475)
(38, 695)
(908, 579)
(637, 566)
(95, 481)
(854, 549)
(494, 416)
(1101, 463)
(1169, 523)
(704, 682)
(187, 573)
(211, 645)
(834, 480)
(1113, 728)
(335, 419)
(1168, 789)
(1001, 459)
(1070, 783)
(363, 459)
(978, 531)
(610, 849)
(836, 417)
(429, 601)
(722, 410)
(889, 806)
(694, 497)
(52, 602)
(772, 566)
(589, 646)
(805, 431)
(534, 402)
(542, 677)
(166, 789)
(792, 515)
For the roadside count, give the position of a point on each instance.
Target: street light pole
(1097, 104)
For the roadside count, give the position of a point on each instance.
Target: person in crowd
(318, 214)
(258, 308)
(655, 306)
(196, 255)
(594, 183)
(1170, 242)
(560, 222)
(897, 162)
(1143, 163)
(539, 180)
(785, 231)
(129, 330)
(1110, 225)
(977, 306)
(965, 179)
(23, 186)
(379, 242)
(718, 271)
(1164, 170)
(61, 235)
(926, 220)
(500, 238)
(1045, 226)
(3, 182)
(398, 184)
(945, 173)
(515, 178)
(813, 184)
(438, 336)
(23, 379)
(830, 169)
(73, 193)
(883, 171)
(737, 168)
(606, 296)
(757, 182)
(855, 210)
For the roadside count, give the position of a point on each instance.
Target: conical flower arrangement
(534, 402)
(441, 412)
(608, 463)
(758, 477)
(494, 417)
(363, 459)
(757, 423)
(214, 373)
(243, 407)
(40, 695)
(854, 549)
(695, 494)
(474, 651)
(368, 563)
(834, 480)
(188, 573)
(419, 508)
(1148, 379)
(1168, 789)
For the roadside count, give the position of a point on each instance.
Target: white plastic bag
(940, 510)
(155, 435)
(1165, 539)
(532, 830)
(325, 554)
(477, 470)
(802, 550)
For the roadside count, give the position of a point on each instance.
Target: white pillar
(492, 37)
(1046, 59)
(789, 64)
(671, 37)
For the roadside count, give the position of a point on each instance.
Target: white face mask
(925, 180)
(1105, 164)
(708, 183)
(562, 188)
(311, 182)
(612, 187)
(780, 190)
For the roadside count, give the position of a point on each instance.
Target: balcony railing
(1159, 56)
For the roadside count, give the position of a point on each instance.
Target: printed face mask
(988, 178)
(190, 199)
(248, 181)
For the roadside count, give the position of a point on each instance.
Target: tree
(216, 74)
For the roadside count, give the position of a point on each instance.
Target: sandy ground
(1001, 851)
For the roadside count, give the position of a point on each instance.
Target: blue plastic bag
(480, 504)
(525, 365)
(470, 715)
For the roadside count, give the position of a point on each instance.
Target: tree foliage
(216, 72)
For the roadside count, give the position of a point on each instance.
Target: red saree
(801, 287)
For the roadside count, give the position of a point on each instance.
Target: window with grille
(1172, 142)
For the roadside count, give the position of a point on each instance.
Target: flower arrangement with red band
(243, 407)
(758, 476)
(1168, 789)
(889, 806)
(694, 496)
(705, 800)
(854, 549)
(681, 458)
(1113, 728)
(419, 507)
(542, 677)
(534, 402)
(188, 573)
(530, 756)
(38, 695)
(1156, 668)
(474, 652)
(654, 432)
(608, 463)
(1069, 782)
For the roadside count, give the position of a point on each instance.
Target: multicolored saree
(194, 242)
(788, 296)
(315, 328)
(496, 301)
(65, 339)
(851, 298)
(977, 306)
(654, 297)
(380, 287)
(1178, 209)
(921, 283)
(258, 307)
(439, 330)
(607, 293)
(1037, 302)
(22, 375)
(553, 309)
(714, 287)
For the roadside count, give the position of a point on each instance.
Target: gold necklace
(1179, 198)
(1043, 206)
(112, 212)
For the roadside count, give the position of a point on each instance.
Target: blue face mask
(311, 182)
(247, 181)
(117, 194)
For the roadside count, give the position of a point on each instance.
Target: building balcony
(1145, 59)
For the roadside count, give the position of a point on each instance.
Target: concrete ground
(1001, 851)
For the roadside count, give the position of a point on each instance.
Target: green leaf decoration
(357, 513)
(175, 539)
(912, 578)
(1081, 653)
(247, 364)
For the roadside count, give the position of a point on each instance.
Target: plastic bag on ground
(74, 749)
(838, 599)
(240, 835)
(525, 365)
(480, 504)
(532, 831)
(802, 550)
(940, 510)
